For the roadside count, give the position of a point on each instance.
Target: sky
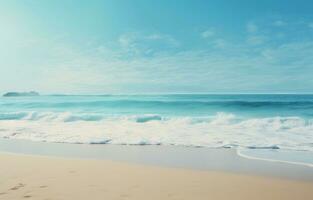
(164, 46)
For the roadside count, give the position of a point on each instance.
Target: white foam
(222, 130)
(242, 154)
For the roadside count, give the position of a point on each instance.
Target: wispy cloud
(158, 62)
(251, 27)
(279, 23)
(238, 67)
(208, 33)
(256, 39)
(137, 43)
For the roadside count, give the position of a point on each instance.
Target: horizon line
(151, 94)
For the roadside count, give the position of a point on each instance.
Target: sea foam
(223, 130)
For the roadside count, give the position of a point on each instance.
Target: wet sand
(207, 159)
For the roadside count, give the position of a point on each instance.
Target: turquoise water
(281, 122)
(168, 105)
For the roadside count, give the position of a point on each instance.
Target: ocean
(255, 125)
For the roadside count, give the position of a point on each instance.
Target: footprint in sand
(20, 185)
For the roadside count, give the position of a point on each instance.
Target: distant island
(21, 94)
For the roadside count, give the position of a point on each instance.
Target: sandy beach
(40, 177)
(156, 100)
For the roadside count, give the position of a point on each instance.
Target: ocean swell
(163, 103)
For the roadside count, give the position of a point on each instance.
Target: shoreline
(200, 159)
(252, 157)
(44, 177)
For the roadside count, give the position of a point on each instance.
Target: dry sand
(48, 178)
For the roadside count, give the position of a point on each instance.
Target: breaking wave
(222, 130)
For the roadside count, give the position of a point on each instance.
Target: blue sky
(166, 46)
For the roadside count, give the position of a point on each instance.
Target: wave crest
(222, 130)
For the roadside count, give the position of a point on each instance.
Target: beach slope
(38, 177)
